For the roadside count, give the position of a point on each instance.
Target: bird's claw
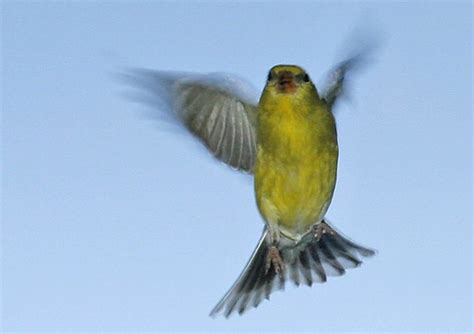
(274, 259)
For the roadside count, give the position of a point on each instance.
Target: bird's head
(289, 81)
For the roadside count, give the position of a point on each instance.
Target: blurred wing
(360, 51)
(223, 121)
(335, 81)
(219, 109)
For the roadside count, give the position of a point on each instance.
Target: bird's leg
(322, 228)
(273, 257)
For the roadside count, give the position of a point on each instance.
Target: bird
(286, 140)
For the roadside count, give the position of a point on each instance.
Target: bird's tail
(324, 252)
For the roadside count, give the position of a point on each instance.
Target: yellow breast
(295, 171)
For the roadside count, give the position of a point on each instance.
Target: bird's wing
(360, 52)
(219, 109)
(337, 77)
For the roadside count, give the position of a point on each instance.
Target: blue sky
(112, 221)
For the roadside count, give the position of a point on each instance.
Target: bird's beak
(286, 82)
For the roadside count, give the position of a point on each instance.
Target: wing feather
(219, 109)
(196, 105)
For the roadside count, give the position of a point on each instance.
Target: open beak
(286, 82)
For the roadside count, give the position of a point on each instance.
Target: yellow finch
(288, 140)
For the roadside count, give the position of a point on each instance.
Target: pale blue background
(112, 222)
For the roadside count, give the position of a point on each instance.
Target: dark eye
(306, 78)
(270, 76)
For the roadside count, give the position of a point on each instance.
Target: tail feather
(253, 283)
(305, 268)
(312, 260)
(347, 259)
(316, 264)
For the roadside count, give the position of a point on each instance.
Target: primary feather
(219, 109)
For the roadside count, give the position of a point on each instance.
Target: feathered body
(295, 172)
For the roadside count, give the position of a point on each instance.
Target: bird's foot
(322, 228)
(274, 259)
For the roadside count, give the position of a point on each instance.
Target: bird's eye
(306, 78)
(270, 76)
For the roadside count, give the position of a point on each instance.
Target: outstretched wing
(219, 109)
(337, 77)
(360, 49)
